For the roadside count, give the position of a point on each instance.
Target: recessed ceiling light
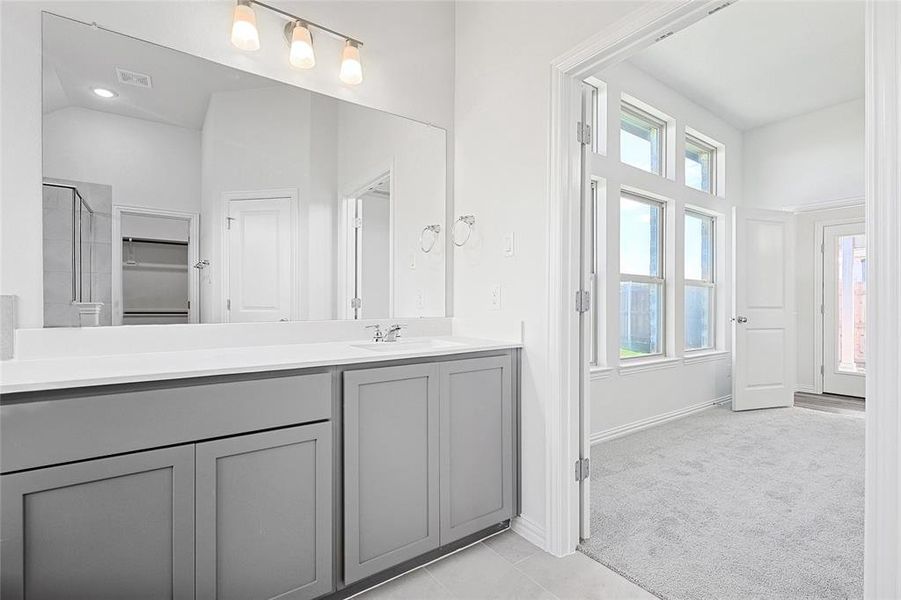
(104, 93)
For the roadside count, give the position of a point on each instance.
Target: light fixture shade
(351, 68)
(244, 28)
(302, 55)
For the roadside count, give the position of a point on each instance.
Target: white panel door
(260, 260)
(844, 309)
(763, 323)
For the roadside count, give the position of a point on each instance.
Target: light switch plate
(509, 244)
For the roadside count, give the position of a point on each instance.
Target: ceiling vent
(132, 78)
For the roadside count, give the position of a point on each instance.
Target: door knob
(740, 319)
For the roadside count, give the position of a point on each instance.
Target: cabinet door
(390, 467)
(476, 445)
(110, 528)
(264, 515)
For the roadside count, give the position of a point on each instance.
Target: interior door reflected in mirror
(179, 190)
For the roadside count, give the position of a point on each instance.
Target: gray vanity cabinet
(264, 515)
(120, 527)
(390, 467)
(476, 430)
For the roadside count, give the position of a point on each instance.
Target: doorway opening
(368, 248)
(154, 254)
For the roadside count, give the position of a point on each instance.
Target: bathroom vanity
(313, 477)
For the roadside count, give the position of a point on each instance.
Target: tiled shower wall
(58, 237)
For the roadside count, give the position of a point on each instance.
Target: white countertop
(61, 373)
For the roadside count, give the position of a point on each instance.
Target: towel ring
(469, 221)
(435, 229)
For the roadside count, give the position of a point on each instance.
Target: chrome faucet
(377, 336)
(393, 333)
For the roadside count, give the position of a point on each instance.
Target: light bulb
(351, 69)
(302, 55)
(244, 28)
(104, 93)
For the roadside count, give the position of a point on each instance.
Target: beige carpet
(720, 505)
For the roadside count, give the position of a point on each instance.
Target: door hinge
(583, 469)
(583, 133)
(356, 302)
(822, 248)
(358, 222)
(822, 370)
(228, 304)
(822, 309)
(583, 301)
(189, 305)
(228, 222)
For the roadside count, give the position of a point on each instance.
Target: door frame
(615, 43)
(819, 292)
(265, 194)
(347, 251)
(193, 220)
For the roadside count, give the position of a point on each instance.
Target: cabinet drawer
(80, 424)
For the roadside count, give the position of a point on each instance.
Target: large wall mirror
(179, 190)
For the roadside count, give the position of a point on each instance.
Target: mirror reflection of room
(303, 206)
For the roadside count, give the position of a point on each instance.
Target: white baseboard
(807, 389)
(615, 432)
(530, 530)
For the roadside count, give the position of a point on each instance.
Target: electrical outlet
(509, 244)
(420, 301)
(494, 298)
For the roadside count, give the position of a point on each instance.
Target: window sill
(600, 373)
(648, 364)
(702, 356)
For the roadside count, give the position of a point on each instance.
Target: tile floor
(506, 566)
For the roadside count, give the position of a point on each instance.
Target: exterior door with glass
(844, 309)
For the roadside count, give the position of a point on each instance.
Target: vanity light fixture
(301, 55)
(297, 33)
(351, 69)
(244, 27)
(104, 93)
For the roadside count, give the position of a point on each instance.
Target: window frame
(635, 278)
(627, 108)
(694, 140)
(710, 283)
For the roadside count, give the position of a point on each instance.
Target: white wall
(371, 143)
(807, 160)
(503, 53)
(806, 251)
(408, 64)
(147, 163)
(621, 395)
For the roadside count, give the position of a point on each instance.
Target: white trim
(529, 529)
(600, 373)
(564, 404)
(640, 365)
(264, 194)
(615, 432)
(829, 205)
(703, 356)
(882, 537)
(193, 220)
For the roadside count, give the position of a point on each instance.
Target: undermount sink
(403, 345)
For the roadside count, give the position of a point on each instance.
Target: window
(700, 284)
(642, 139)
(641, 276)
(700, 165)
